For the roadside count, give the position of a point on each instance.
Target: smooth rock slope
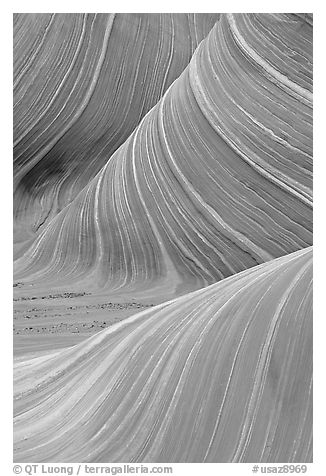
(219, 375)
(163, 162)
(82, 83)
(216, 178)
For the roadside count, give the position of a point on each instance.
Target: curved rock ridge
(222, 374)
(82, 83)
(215, 179)
(262, 106)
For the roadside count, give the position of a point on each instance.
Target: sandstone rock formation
(82, 83)
(167, 157)
(215, 179)
(220, 375)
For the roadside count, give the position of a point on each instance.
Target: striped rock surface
(82, 83)
(215, 179)
(220, 375)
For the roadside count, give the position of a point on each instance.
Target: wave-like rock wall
(220, 375)
(82, 83)
(216, 178)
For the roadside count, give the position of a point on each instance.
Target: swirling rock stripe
(183, 200)
(220, 375)
(265, 116)
(82, 84)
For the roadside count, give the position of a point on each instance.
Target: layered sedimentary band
(82, 83)
(215, 179)
(220, 375)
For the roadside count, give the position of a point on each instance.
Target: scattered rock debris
(73, 327)
(52, 296)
